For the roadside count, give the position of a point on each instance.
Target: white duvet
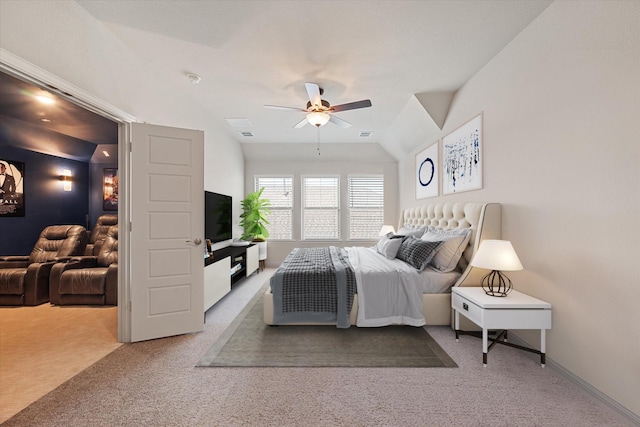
(390, 291)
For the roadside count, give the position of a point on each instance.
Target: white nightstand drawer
(467, 308)
(517, 319)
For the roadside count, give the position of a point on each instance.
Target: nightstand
(515, 311)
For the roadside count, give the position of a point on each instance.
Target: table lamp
(497, 256)
(386, 229)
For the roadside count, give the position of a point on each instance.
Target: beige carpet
(42, 347)
(155, 383)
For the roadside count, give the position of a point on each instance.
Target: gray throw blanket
(314, 285)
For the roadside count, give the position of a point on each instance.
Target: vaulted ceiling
(408, 57)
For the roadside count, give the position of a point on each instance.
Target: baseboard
(613, 404)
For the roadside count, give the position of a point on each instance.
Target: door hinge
(130, 146)
(130, 226)
(129, 306)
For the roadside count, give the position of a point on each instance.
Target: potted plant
(254, 217)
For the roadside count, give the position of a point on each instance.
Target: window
(279, 191)
(366, 206)
(320, 208)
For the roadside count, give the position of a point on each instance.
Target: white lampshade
(318, 118)
(496, 255)
(386, 229)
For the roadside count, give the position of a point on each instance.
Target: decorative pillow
(454, 243)
(411, 231)
(417, 253)
(388, 245)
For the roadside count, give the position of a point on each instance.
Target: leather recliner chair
(99, 232)
(88, 280)
(24, 280)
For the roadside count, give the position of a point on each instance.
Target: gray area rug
(249, 342)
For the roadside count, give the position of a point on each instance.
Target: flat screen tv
(217, 217)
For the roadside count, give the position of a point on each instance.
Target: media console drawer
(217, 281)
(224, 268)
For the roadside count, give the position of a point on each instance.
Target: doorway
(185, 174)
(74, 337)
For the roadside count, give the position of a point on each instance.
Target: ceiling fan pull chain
(318, 138)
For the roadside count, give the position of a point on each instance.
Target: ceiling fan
(318, 110)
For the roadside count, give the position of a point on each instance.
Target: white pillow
(411, 231)
(455, 242)
(388, 245)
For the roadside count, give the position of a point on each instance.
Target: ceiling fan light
(318, 118)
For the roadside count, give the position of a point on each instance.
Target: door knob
(195, 241)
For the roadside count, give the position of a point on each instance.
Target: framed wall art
(11, 188)
(110, 189)
(462, 158)
(427, 184)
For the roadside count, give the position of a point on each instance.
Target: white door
(167, 229)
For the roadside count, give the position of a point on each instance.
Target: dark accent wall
(46, 203)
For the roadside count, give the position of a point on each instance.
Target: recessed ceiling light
(106, 153)
(45, 120)
(45, 99)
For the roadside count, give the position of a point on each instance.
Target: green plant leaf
(253, 218)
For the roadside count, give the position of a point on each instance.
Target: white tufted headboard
(484, 219)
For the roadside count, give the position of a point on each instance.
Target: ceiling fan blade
(279, 107)
(313, 90)
(339, 122)
(351, 106)
(301, 124)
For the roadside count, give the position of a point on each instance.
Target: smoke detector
(194, 78)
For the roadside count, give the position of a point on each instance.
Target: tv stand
(224, 268)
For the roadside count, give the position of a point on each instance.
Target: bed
(422, 304)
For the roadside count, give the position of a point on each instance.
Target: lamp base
(496, 284)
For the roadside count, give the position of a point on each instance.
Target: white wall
(63, 39)
(561, 106)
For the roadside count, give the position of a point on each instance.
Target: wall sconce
(66, 180)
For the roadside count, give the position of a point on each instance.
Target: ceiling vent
(239, 122)
(246, 134)
(366, 134)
